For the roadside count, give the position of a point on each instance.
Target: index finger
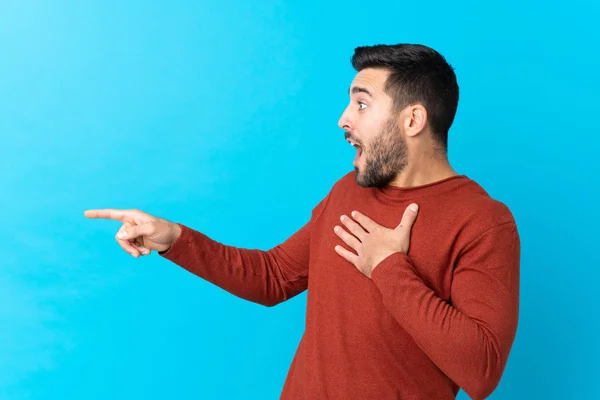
(110, 213)
(365, 221)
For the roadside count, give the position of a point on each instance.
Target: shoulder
(343, 185)
(340, 187)
(347, 180)
(486, 207)
(481, 212)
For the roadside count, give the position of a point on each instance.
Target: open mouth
(358, 151)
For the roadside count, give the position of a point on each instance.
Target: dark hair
(418, 75)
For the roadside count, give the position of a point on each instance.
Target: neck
(424, 168)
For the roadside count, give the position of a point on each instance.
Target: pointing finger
(110, 213)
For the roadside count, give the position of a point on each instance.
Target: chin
(360, 179)
(368, 177)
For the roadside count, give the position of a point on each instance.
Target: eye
(360, 103)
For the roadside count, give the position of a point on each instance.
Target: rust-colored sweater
(442, 317)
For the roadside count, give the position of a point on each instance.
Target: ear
(415, 120)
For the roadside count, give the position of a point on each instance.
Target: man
(412, 270)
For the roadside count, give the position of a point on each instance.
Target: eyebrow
(358, 89)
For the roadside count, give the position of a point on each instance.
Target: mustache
(348, 136)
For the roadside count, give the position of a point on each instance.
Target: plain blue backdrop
(223, 115)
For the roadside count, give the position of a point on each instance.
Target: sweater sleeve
(264, 277)
(469, 339)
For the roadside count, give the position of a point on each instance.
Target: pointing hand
(140, 233)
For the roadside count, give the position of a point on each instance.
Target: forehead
(371, 79)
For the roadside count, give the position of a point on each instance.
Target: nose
(345, 122)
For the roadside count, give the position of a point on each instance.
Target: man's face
(371, 124)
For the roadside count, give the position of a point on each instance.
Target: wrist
(175, 229)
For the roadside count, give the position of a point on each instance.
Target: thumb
(408, 218)
(134, 231)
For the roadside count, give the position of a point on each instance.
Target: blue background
(223, 115)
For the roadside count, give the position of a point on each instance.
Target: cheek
(369, 127)
(369, 135)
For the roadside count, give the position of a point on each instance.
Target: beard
(385, 157)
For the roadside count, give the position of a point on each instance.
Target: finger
(365, 221)
(347, 238)
(140, 247)
(348, 255)
(134, 231)
(127, 245)
(353, 227)
(138, 242)
(111, 213)
(409, 217)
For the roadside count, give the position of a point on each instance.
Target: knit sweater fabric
(439, 318)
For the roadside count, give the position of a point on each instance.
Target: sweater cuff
(180, 245)
(382, 272)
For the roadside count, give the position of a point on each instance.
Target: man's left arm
(470, 338)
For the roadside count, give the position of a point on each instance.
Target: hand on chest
(354, 241)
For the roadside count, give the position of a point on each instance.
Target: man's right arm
(265, 277)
